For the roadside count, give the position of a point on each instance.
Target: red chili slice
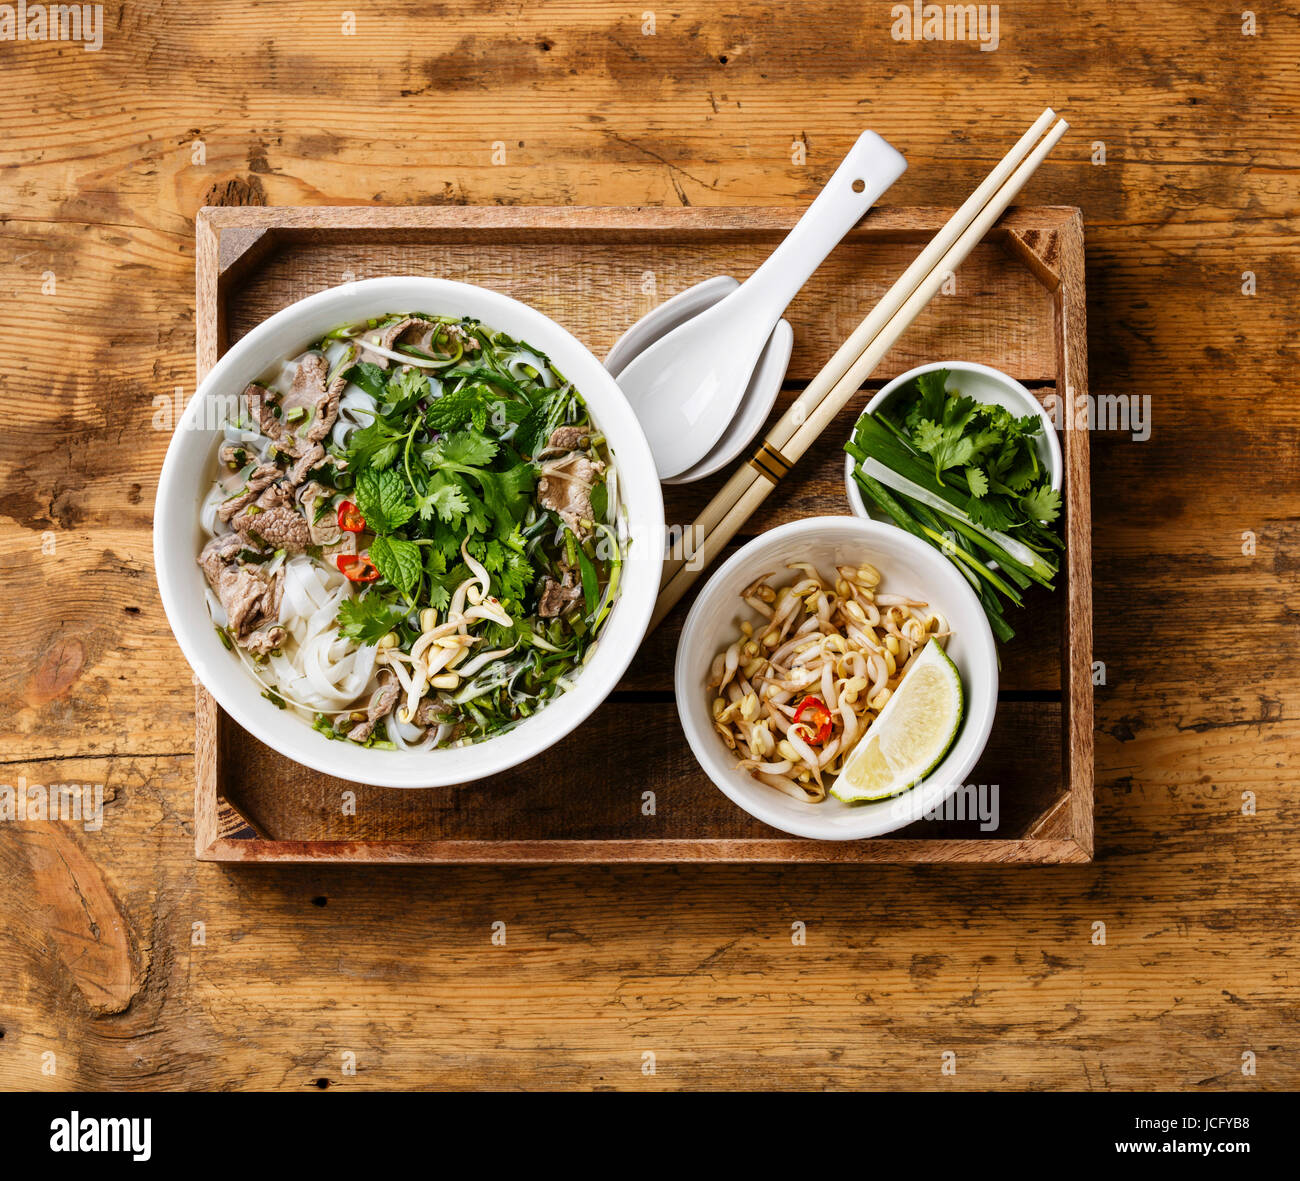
(357, 567)
(819, 716)
(350, 517)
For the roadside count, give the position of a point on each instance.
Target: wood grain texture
(573, 263)
(298, 964)
(1062, 257)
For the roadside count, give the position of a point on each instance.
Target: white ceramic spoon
(687, 386)
(764, 384)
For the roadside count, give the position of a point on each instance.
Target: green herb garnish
(965, 477)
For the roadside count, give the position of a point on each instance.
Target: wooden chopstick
(854, 346)
(839, 380)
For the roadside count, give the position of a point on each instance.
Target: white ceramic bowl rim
(973, 647)
(189, 464)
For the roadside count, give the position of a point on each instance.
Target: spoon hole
(859, 185)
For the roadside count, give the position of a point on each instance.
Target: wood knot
(57, 672)
(246, 190)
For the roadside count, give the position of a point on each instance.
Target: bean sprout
(817, 665)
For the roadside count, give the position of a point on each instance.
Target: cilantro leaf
(374, 446)
(508, 493)
(405, 387)
(475, 520)
(932, 393)
(945, 438)
(381, 497)
(991, 514)
(465, 448)
(1043, 503)
(505, 494)
(504, 560)
(367, 619)
(1019, 477)
(981, 460)
(927, 435)
(445, 575)
(444, 496)
(398, 561)
(435, 566)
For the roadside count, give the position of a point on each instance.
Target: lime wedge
(911, 734)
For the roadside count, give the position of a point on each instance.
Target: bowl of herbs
(966, 459)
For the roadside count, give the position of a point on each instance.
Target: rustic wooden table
(1167, 964)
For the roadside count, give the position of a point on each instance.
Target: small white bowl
(907, 566)
(190, 467)
(984, 384)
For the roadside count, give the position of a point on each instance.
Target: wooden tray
(624, 788)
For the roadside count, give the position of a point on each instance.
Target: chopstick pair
(841, 377)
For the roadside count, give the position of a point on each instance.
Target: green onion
(590, 584)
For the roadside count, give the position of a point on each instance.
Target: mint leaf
(398, 561)
(381, 497)
(470, 403)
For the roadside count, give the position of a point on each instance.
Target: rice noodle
(356, 409)
(514, 367)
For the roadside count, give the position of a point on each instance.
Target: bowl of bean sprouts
(829, 611)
